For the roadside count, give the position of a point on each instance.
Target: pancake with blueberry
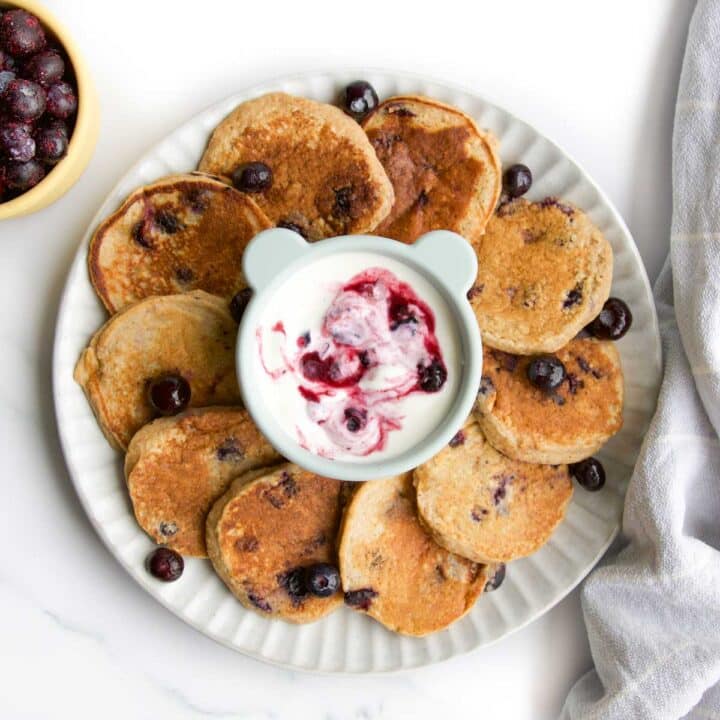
(184, 232)
(484, 506)
(393, 570)
(159, 356)
(309, 166)
(177, 467)
(552, 409)
(445, 170)
(544, 272)
(271, 538)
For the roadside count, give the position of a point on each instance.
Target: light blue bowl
(444, 258)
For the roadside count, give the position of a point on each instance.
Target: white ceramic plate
(348, 641)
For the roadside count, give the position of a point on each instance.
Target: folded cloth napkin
(653, 612)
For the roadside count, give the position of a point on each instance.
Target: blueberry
(361, 598)
(289, 225)
(61, 100)
(355, 419)
(589, 473)
(294, 582)
(432, 377)
(16, 141)
(517, 180)
(322, 579)
(24, 175)
(252, 177)
(25, 99)
(7, 61)
(613, 321)
(21, 33)
(239, 302)
(497, 578)
(6, 77)
(169, 394)
(52, 145)
(546, 372)
(165, 564)
(45, 68)
(359, 98)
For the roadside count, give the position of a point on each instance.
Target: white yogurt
(314, 340)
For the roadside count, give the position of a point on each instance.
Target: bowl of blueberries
(49, 116)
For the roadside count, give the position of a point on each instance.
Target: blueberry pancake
(485, 506)
(544, 272)
(181, 233)
(560, 425)
(324, 178)
(392, 569)
(176, 467)
(267, 531)
(190, 336)
(444, 170)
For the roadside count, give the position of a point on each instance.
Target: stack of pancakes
(413, 551)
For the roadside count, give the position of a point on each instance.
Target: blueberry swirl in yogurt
(375, 346)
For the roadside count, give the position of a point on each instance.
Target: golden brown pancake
(192, 335)
(484, 506)
(392, 569)
(326, 177)
(561, 426)
(177, 467)
(266, 525)
(183, 232)
(444, 170)
(544, 272)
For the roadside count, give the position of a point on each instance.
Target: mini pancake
(269, 523)
(177, 467)
(445, 170)
(327, 179)
(562, 426)
(392, 569)
(192, 335)
(487, 507)
(544, 272)
(184, 232)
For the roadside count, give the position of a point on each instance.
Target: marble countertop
(78, 638)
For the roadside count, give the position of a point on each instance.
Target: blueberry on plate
(359, 98)
(517, 180)
(589, 473)
(165, 564)
(613, 321)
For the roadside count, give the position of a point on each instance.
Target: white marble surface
(77, 638)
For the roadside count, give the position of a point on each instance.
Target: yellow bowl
(85, 133)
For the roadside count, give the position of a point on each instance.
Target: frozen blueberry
(432, 377)
(252, 177)
(322, 579)
(355, 419)
(165, 564)
(61, 100)
(52, 144)
(24, 175)
(25, 99)
(359, 98)
(21, 33)
(517, 180)
(6, 77)
(45, 68)
(546, 372)
(169, 394)
(16, 141)
(589, 473)
(613, 321)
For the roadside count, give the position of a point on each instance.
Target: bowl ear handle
(450, 257)
(269, 253)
